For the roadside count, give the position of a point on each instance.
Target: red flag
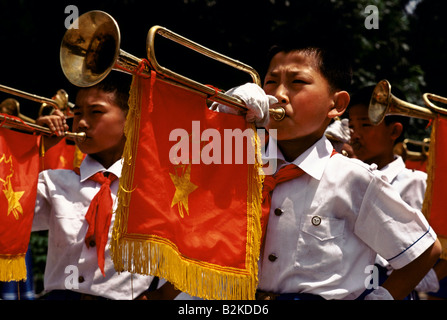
(420, 165)
(64, 155)
(434, 201)
(19, 168)
(196, 223)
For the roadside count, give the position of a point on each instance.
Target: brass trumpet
(91, 51)
(424, 145)
(11, 122)
(384, 103)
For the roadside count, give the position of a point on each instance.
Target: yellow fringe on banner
(152, 255)
(431, 169)
(12, 268)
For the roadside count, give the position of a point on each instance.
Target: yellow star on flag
(13, 198)
(183, 187)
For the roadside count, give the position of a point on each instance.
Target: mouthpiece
(278, 113)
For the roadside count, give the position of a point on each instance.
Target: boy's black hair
(363, 96)
(119, 83)
(334, 58)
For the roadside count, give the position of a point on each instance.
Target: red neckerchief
(99, 216)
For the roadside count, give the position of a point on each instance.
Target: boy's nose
(81, 125)
(354, 134)
(281, 94)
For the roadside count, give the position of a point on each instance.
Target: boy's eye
(299, 81)
(270, 82)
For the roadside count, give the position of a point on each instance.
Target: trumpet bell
(380, 101)
(88, 53)
(384, 103)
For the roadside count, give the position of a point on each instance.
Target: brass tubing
(11, 122)
(89, 53)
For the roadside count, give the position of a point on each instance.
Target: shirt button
(81, 279)
(279, 211)
(272, 257)
(316, 220)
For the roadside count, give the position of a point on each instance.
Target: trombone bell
(88, 53)
(384, 103)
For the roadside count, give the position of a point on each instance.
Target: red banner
(19, 168)
(64, 155)
(434, 201)
(189, 201)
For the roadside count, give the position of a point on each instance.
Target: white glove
(255, 99)
(379, 294)
(429, 283)
(339, 129)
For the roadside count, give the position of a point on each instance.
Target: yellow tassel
(78, 157)
(131, 131)
(160, 258)
(426, 206)
(12, 268)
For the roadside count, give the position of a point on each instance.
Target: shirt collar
(312, 161)
(392, 169)
(90, 166)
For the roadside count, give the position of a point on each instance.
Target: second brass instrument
(11, 122)
(384, 103)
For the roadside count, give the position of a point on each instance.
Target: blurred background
(408, 48)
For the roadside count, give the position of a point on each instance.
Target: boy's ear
(396, 130)
(341, 102)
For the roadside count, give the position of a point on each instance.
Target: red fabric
(438, 216)
(60, 156)
(284, 174)
(19, 169)
(99, 216)
(214, 228)
(420, 165)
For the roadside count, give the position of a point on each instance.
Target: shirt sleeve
(42, 208)
(392, 228)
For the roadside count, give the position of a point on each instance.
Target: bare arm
(402, 281)
(441, 269)
(165, 292)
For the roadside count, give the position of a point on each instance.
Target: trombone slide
(12, 122)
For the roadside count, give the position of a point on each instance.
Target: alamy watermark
(372, 20)
(210, 146)
(72, 280)
(372, 278)
(71, 21)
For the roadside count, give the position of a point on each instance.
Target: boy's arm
(165, 292)
(441, 269)
(402, 281)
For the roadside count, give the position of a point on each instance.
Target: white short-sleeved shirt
(62, 201)
(331, 223)
(410, 184)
